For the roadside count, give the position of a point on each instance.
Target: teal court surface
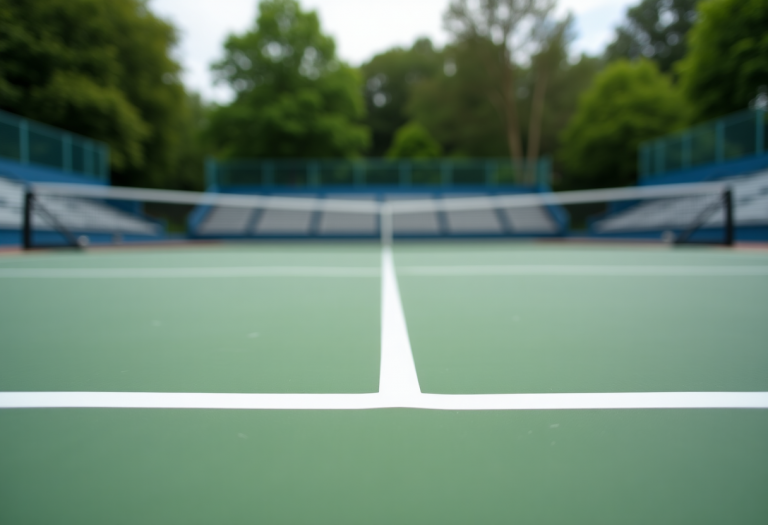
(429, 383)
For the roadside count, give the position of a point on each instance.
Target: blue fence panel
(376, 172)
(733, 137)
(29, 142)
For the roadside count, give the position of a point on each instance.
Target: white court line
(184, 273)
(352, 271)
(397, 376)
(599, 401)
(584, 270)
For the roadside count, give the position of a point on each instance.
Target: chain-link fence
(732, 137)
(30, 142)
(376, 172)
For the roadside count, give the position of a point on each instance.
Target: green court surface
(482, 318)
(477, 334)
(262, 334)
(383, 467)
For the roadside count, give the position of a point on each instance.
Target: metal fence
(375, 172)
(729, 138)
(30, 142)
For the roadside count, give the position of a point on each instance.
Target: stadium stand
(213, 221)
(284, 222)
(750, 195)
(79, 216)
(416, 224)
(349, 224)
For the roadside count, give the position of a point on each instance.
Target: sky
(361, 28)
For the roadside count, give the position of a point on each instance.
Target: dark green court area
(383, 466)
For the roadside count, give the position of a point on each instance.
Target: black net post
(728, 210)
(26, 233)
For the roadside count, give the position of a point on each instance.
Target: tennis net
(80, 215)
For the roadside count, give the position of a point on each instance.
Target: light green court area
(495, 253)
(252, 334)
(383, 466)
(206, 256)
(573, 333)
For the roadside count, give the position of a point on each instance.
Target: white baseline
(586, 270)
(187, 273)
(577, 401)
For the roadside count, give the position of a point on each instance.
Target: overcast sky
(361, 28)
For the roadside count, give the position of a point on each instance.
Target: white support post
(386, 224)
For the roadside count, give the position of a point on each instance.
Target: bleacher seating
(356, 224)
(750, 196)
(76, 215)
(225, 222)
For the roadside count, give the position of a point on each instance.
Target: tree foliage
(101, 68)
(294, 98)
(727, 65)
(628, 103)
(456, 109)
(516, 29)
(413, 141)
(655, 29)
(544, 64)
(389, 81)
(454, 105)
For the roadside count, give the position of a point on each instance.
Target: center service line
(397, 376)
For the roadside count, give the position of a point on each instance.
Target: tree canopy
(628, 102)
(101, 68)
(454, 105)
(507, 84)
(413, 141)
(727, 65)
(294, 98)
(655, 29)
(515, 29)
(390, 78)
(456, 108)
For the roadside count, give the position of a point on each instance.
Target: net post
(26, 234)
(728, 209)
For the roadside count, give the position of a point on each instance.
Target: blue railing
(30, 142)
(375, 172)
(733, 137)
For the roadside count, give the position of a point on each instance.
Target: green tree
(655, 29)
(190, 165)
(101, 68)
(389, 81)
(629, 102)
(456, 108)
(567, 83)
(728, 60)
(413, 141)
(515, 28)
(544, 65)
(294, 98)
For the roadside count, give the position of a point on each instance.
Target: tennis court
(346, 383)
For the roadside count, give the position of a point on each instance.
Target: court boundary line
(363, 271)
(584, 270)
(478, 402)
(194, 273)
